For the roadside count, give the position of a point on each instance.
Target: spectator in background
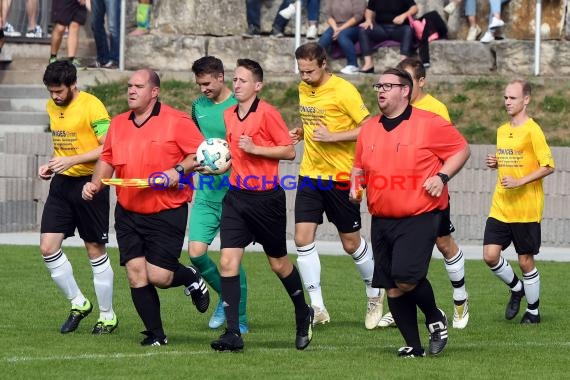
(69, 14)
(470, 13)
(343, 18)
(33, 30)
(386, 20)
(7, 28)
(495, 21)
(287, 11)
(144, 8)
(107, 47)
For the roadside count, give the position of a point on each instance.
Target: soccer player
(208, 114)
(522, 160)
(331, 111)
(405, 157)
(254, 207)
(152, 140)
(78, 124)
(453, 256)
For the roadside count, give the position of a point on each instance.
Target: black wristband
(444, 177)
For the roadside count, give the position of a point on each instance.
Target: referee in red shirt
(404, 158)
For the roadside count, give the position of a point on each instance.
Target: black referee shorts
(65, 210)
(159, 237)
(315, 196)
(403, 248)
(255, 216)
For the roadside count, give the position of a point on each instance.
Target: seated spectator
(495, 21)
(470, 13)
(287, 11)
(343, 18)
(386, 20)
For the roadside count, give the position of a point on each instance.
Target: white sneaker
(496, 23)
(450, 8)
(34, 33)
(374, 311)
(387, 321)
(9, 31)
(349, 69)
(473, 33)
(321, 316)
(288, 12)
(487, 37)
(312, 32)
(461, 315)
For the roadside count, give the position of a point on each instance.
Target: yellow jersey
(76, 128)
(429, 103)
(339, 106)
(520, 151)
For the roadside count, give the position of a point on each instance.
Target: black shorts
(403, 248)
(158, 237)
(65, 210)
(445, 227)
(524, 236)
(255, 216)
(63, 12)
(315, 196)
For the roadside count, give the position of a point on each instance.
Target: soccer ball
(214, 155)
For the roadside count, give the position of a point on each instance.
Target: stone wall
(183, 33)
(22, 194)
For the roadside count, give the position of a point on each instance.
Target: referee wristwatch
(444, 177)
(179, 168)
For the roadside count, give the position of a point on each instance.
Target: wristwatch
(444, 177)
(179, 168)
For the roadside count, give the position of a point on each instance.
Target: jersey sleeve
(189, 137)
(99, 118)
(445, 139)
(353, 104)
(541, 148)
(276, 127)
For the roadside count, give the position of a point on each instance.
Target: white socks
(531, 282)
(364, 261)
(62, 274)
(505, 272)
(455, 268)
(103, 282)
(310, 268)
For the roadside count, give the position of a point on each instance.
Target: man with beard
(78, 124)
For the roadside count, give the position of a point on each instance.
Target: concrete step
(23, 118)
(33, 105)
(25, 91)
(25, 128)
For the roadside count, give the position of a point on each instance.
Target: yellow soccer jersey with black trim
(520, 151)
(339, 106)
(431, 104)
(75, 129)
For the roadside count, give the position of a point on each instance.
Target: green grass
(475, 105)
(32, 310)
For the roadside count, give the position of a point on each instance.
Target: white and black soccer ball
(214, 155)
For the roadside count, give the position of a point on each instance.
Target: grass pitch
(32, 311)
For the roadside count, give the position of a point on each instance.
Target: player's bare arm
(434, 185)
(286, 152)
(297, 134)
(510, 182)
(102, 170)
(63, 163)
(322, 134)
